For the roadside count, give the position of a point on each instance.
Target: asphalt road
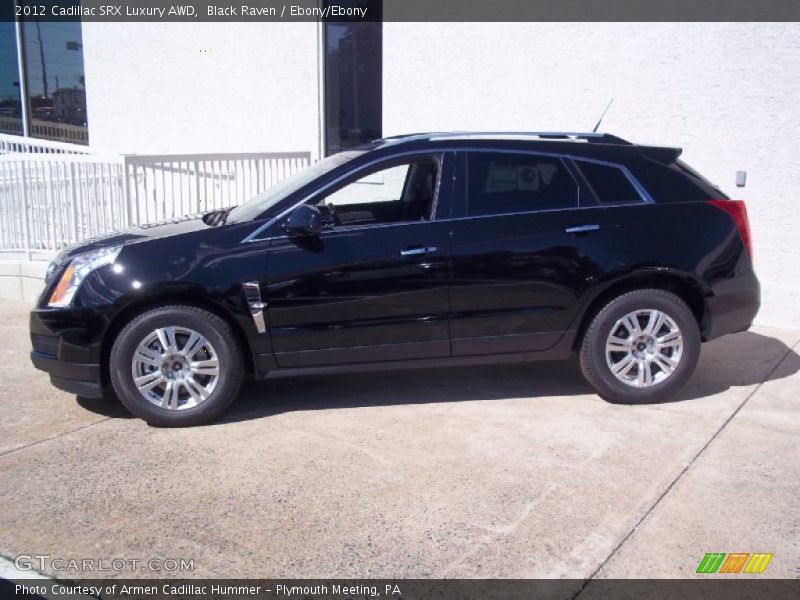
(496, 471)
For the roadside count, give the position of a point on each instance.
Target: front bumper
(80, 379)
(66, 345)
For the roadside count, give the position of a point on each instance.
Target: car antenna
(603, 115)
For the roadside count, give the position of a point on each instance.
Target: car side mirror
(304, 220)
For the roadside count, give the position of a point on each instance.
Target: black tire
(593, 361)
(217, 332)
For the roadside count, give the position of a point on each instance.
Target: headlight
(79, 267)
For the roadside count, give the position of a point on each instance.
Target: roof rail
(591, 137)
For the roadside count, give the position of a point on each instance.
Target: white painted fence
(167, 186)
(16, 143)
(49, 201)
(51, 197)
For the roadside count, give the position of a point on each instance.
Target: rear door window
(506, 183)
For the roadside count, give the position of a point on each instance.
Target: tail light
(738, 212)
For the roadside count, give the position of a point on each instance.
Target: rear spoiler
(661, 154)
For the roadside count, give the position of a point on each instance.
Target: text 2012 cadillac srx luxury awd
(419, 250)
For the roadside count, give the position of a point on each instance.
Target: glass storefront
(54, 83)
(10, 105)
(353, 80)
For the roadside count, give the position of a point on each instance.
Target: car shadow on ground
(108, 406)
(740, 360)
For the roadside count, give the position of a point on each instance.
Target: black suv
(420, 250)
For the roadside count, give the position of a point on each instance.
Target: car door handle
(418, 250)
(582, 228)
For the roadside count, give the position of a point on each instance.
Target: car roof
(576, 136)
(582, 144)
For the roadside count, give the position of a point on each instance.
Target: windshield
(267, 199)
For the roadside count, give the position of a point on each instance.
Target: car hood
(135, 235)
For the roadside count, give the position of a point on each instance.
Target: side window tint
(609, 183)
(508, 183)
(402, 192)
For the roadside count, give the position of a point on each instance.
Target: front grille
(45, 344)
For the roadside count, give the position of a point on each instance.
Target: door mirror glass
(304, 220)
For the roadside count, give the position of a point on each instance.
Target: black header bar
(401, 10)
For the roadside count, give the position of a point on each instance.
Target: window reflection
(55, 81)
(353, 80)
(10, 106)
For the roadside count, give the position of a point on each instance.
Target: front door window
(400, 193)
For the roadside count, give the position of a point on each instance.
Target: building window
(10, 104)
(353, 79)
(55, 82)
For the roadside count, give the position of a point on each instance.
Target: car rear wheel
(176, 366)
(641, 347)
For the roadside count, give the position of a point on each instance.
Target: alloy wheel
(644, 348)
(175, 368)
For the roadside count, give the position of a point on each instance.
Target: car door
(526, 246)
(373, 285)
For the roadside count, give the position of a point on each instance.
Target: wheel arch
(680, 284)
(165, 298)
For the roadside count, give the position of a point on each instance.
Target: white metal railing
(50, 199)
(16, 143)
(49, 130)
(167, 186)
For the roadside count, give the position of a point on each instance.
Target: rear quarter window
(609, 183)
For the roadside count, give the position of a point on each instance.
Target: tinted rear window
(504, 183)
(711, 188)
(609, 183)
(672, 183)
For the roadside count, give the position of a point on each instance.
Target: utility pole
(23, 82)
(41, 55)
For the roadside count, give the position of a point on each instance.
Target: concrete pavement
(496, 471)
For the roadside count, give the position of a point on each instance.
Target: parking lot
(510, 471)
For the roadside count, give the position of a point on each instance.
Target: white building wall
(156, 88)
(729, 94)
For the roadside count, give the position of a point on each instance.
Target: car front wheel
(176, 366)
(641, 347)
